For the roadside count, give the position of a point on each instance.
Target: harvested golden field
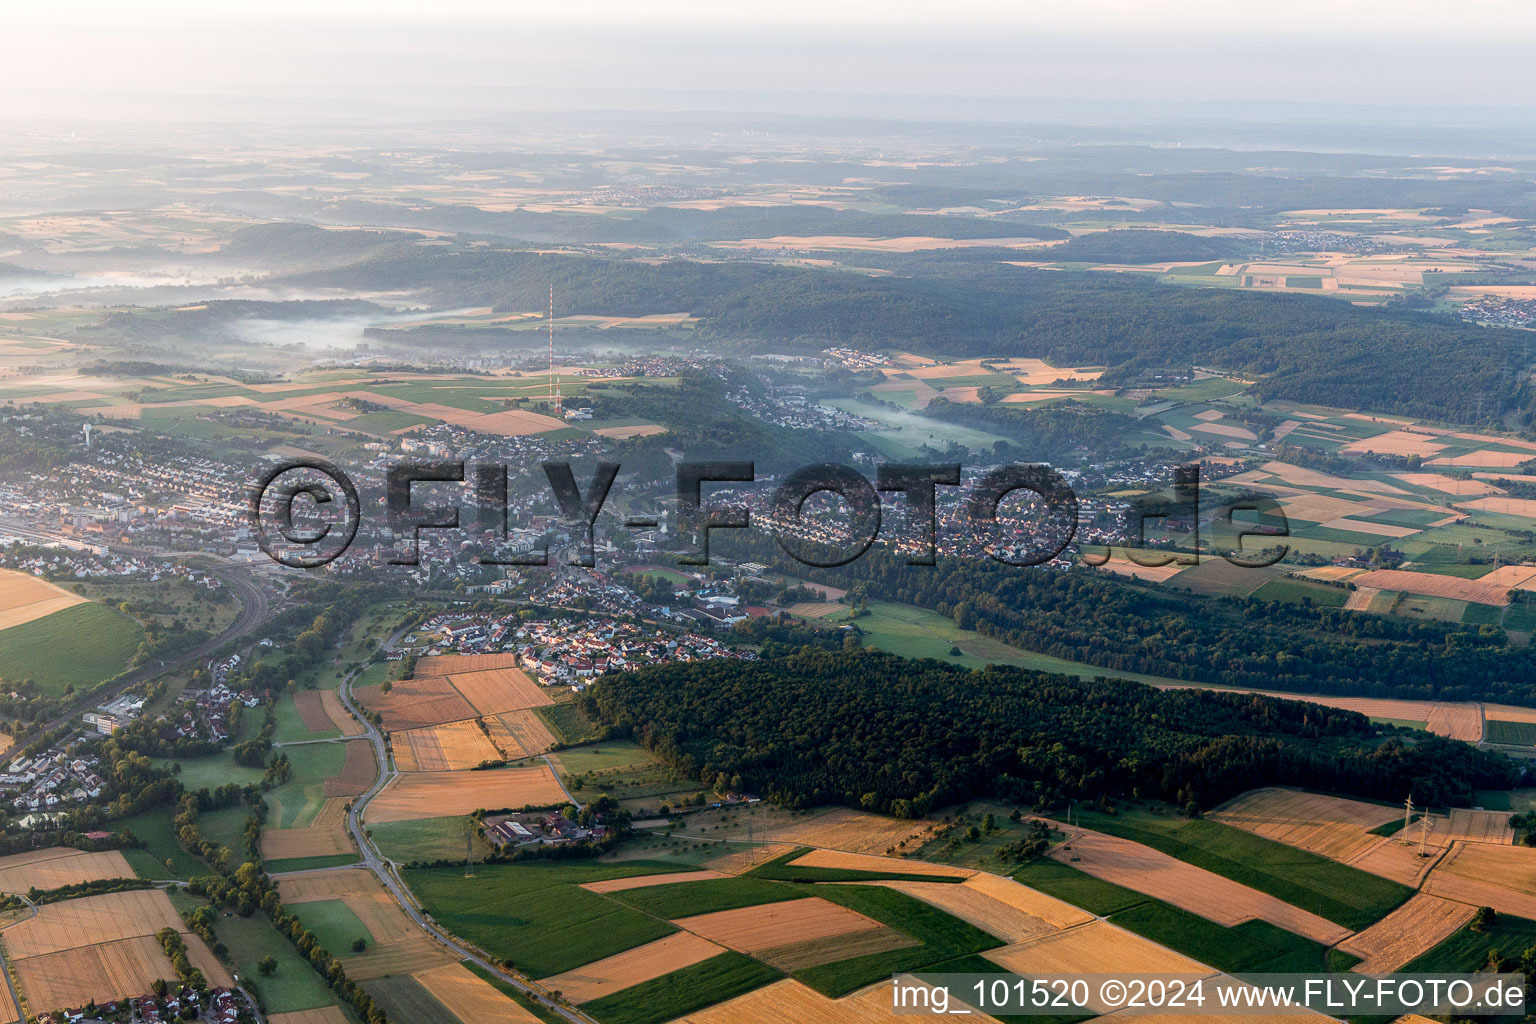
(1330, 573)
(400, 948)
(631, 967)
(1504, 506)
(103, 972)
(1488, 875)
(1360, 599)
(1095, 948)
(325, 836)
(1190, 888)
(311, 886)
(59, 865)
(1123, 566)
(358, 770)
(1362, 526)
(24, 597)
(975, 907)
(1391, 859)
(469, 997)
(869, 862)
(1057, 913)
(107, 918)
(418, 953)
(416, 703)
(1225, 430)
(1515, 577)
(843, 828)
(1475, 827)
(495, 691)
(452, 664)
(321, 1015)
(1396, 442)
(816, 609)
(1413, 928)
(797, 956)
(646, 881)
(625, 433)
(1448, 484)
(777, 924)
(520, 734)
(790, 1002)
(441, 748)
(435, 794)
(1434, 585)
(1458, 721)
(1509, 713)
(1483, 458)
(340, 717)
(1331, 826)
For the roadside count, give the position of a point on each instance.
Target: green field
(210, 772)
(424, 840)
(406, 999)
(1250, 946)
(913, 632)
(79, 646)
(684, 899)
(567, 722)
(943, 937)
(1077, 887)
(711, 981)
(1297, 592)
(329, 860)
(1467, 950)
(295, 803)
(291, 728)
(536, 915)
(335, 926)
(1342, 894)
(1515, 733)
(294, 987)
(599, 757)
(156, 828)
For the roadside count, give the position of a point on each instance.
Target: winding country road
(385, 871)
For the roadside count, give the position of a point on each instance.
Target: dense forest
(904, 737)
(1307, 348)
(1159, 630)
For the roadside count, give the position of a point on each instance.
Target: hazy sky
(107, 58)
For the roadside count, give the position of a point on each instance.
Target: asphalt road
(385, 872)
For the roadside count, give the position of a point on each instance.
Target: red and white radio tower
(554, 384)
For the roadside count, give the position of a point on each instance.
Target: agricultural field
(1409, 931)
(1208, 895)
(1333, 827)
(424, 839)
(1487, 875)
(24, 597)
(469, 998)
(435, 794)
(350, 904)
(79, 645)
(99, 947)
(58, 866)
(1344, 895)
(457, 746)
